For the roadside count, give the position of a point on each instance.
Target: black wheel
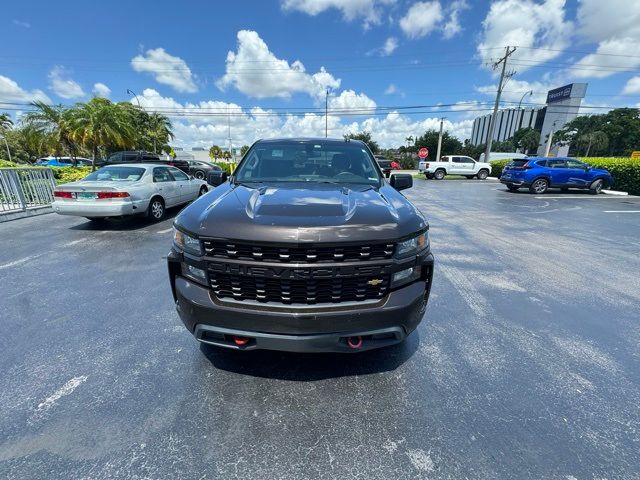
(539, 186)
(596, 187)
(482, 175)
(513, 188)
(470, 177)
(428, 176)
(156, 209)
(199, 174)
(439, 175)
(203, 190)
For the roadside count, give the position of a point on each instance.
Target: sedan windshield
(116, 174)
(308, 161)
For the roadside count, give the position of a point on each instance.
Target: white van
(502, 156)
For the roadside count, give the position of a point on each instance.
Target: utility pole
(492, 123)
(326, 111)
(439, 141)
(229, 129)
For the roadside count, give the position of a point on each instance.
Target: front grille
(307, 291)
(299, 253)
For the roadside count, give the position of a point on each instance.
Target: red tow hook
(354, 342)
(240, 341)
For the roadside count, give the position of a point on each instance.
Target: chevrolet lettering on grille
(302, 273)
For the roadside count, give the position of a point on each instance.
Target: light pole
(326, 113)
(548, 149)
(530, 92)
(440, 140)
(131, 92)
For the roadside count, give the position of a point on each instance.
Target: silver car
(119, 190)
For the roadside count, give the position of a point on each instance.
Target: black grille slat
(312, 291)
(299, 253)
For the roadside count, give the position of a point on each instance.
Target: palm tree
(100, 123)
(215, 152)
(597, 139)
(159, 130)
(5, 125)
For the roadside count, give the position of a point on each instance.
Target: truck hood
(322, 213)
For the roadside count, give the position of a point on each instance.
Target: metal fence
(23, 188)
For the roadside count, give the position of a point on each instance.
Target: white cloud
(258, 73)
(10, 91)
(609, 58)
(515, 89)
(452, 27)
(62, 85)
(632, 87)
(21, 23)
(391, 89)
(350, 100)
(389, 46)
(101, 90)
(368, 10)
(527, 24)
(421, 19)
(248, 125)
(166, 69)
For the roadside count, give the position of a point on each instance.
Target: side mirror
(401, 181)
(216, 177)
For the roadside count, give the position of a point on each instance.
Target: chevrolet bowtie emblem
(374, 282)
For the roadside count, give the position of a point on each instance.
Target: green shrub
(497, 166)
(7, 164)
(70, 174)
(625, 172)
(227, 167)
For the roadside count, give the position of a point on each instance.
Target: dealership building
(562, 106)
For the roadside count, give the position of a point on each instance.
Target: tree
(52, 121)
(5, 125)
(215, 152)
(244, 149)
(159, 131)
(527, 138)
(366, 138)
(100, 123)
(505, 146)
(598, 140)
(450, 144)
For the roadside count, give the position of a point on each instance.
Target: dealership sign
(558, 94)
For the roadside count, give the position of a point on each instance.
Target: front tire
(596, 187)
(202, 191)
(156, 209)
(199, 174)
(539, 186)
(513, 188)
(439, 175)
(482, 175)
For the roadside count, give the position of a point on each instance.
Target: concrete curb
(615, 192)
(29, 212)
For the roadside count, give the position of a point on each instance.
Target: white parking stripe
(582, 197)
(622, 211)
(18, 262)
(165, 231)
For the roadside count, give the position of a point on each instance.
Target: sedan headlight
(186, 243)
(413, 245)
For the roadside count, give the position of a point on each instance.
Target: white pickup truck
(455, 165)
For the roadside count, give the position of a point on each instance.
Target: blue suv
(538, 174)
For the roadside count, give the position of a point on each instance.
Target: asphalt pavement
(526, 365)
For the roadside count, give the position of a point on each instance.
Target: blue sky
(247, 63)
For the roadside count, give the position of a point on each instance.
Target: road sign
(423, 152)
(635, 154)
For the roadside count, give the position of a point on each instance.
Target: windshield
(308, 161)
(116, 174)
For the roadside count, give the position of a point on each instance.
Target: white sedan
(119, 190)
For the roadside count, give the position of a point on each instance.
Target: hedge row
(61, 174)
(625, 171)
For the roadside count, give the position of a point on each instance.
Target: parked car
(386, 165)
(120, 190)
(502, 156)
(63, 162)
(456, 165)
(139, 156)
(200, 169)
(307, 248)
(538, 174)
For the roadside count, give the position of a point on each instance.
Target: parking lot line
(622, 211)
(165, 231)
(585, 197)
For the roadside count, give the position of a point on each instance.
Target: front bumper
(300, 328)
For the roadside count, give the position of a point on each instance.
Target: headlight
(186, 243)
(413, 245)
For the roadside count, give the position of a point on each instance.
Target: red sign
(423, 152)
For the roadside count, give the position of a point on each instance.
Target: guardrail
(24, 188)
